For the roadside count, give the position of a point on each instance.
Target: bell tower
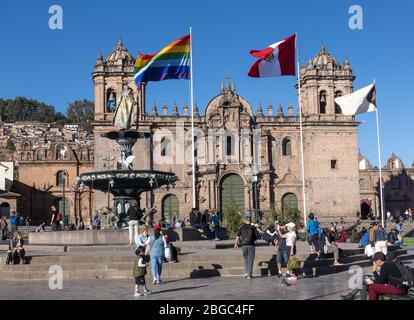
(109, 78)
(322, 80)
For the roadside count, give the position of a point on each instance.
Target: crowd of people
(155, 248)
(406, 216)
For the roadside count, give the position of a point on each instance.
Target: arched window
(287, 147)
(362, 183)
(229, 146)
(110, 101)
(60, 178)
(337, 107)
(166, 147)
(322, 102)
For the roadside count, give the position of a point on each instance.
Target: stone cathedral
(233, 145)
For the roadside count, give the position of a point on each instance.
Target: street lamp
(255, 180)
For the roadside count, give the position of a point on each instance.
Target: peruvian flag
(276, 60)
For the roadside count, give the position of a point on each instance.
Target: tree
(81, 112)
(24, 109)
(232, 219)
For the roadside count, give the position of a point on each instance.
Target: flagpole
(192, 118)
(301, 134)
(380, 167)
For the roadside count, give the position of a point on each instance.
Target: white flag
(361, 101)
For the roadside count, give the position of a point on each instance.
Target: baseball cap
(247, 216)
(291, 225)
(379, 256)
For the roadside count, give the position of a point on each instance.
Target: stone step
(30, 248)
(14, 274)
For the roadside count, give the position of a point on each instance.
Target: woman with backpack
(246, 236)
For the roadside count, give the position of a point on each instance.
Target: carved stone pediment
(288, 179)
(215, 120)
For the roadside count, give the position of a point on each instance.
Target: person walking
(3, 227)
(14, 222)
(134, 214)
(54, 219)
(313, 231)
(157, 254)
(246, 236)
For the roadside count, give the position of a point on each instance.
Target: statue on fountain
(108, 218)
(125, 107)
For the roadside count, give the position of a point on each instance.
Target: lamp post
(64, 197)
(256, 198)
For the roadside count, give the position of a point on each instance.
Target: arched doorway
(63, 206)
(289, 204)
(232, 193)
(5, 210)
(365, 208)
(170, 208)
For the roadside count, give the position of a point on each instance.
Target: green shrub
(232, 219)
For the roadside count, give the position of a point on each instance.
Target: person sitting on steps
(384, 281)
(16, 251)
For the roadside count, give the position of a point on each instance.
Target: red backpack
(58, 216)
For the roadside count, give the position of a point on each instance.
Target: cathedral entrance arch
(232, 193)
(170, 208)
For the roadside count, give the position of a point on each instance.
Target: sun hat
(291, 225)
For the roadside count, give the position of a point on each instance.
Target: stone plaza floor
(328, 287)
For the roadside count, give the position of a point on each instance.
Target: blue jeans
(156, 267)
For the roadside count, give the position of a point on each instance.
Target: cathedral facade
(252, 160)
(244, 159)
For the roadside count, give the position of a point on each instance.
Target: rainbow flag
(172, 62)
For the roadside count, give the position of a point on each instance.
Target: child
(140, 269)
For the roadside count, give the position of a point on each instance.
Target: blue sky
(55, 66)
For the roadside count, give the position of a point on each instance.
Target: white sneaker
(138, 294)
(147, 292)
(216, 239)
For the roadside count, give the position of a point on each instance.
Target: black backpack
(407, 276)
(247, 235)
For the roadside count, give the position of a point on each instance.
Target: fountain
(125, 183)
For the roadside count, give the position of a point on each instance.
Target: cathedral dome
(323, 58)
(120, 54)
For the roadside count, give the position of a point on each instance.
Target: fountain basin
(128, 183)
